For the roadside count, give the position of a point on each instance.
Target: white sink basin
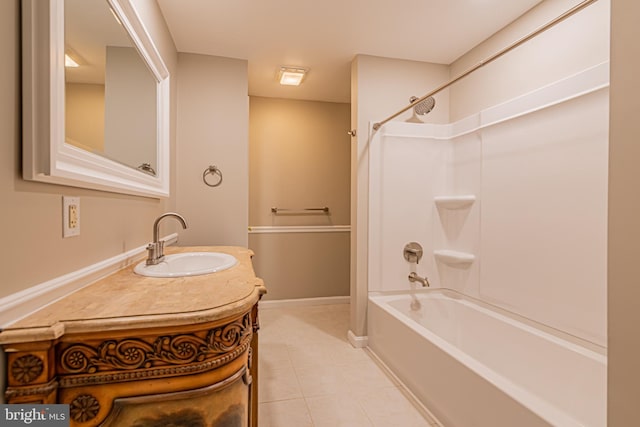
(187, 264)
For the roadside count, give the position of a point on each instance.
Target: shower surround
(510, 205)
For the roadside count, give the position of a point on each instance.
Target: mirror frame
(46, 157)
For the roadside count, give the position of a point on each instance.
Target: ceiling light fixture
(70, 62)
(291, 76)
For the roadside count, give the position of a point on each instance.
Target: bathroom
(114, 223)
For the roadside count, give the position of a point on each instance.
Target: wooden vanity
(133, 351)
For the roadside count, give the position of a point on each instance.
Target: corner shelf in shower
(454, 258)
(454, 202)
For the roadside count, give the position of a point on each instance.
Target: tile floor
(311, 376)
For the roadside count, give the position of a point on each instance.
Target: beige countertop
(125, 300)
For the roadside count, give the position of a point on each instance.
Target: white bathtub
(475, 366)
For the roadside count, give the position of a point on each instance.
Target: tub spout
(413, 277)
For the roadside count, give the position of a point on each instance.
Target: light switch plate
(70, 216)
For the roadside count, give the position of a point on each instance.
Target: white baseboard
(424, 411)
(301, 302)
(19, 305)
(357, 341)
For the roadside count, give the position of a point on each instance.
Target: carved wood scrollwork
(247, 378)
(136, 353)
(255, 319)
(84, 408)
(28, 391)
(26, 368)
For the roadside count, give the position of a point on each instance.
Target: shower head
(423, 107)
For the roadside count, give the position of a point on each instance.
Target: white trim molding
(19, 305)
(357, 341)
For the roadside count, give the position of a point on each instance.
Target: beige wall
(213, 111)
(302, 265)
(624, 205)
(379, 88)
(570, 47)
(32, 212)
(299, 158)
(84, 118)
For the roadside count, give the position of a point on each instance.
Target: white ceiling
(325, 35)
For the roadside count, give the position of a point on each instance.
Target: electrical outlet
(70, 216)
(73, 216)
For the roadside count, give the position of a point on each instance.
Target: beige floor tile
(273, 352)
(405, 420)
(345, 354)
(336, 411)
(321, 381)
(284, 413)
(389, 407)
(365, 375)
(311, 376)
(311, 355)
(270, 333)
(278, 382)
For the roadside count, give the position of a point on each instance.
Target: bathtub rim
(581, 343)
(536, 404)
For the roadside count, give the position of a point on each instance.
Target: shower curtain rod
(490, 59)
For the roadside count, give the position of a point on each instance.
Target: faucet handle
(155, 252)
(413, 252)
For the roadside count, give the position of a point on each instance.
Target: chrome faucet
(413, 277)
(156, 248)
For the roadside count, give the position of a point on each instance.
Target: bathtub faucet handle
(413, 252)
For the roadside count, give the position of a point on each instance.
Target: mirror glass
(110, 93)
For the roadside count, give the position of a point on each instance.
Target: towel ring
(212, 170)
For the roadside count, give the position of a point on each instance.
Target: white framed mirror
(122, 147)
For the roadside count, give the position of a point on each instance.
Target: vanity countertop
(125, 300)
